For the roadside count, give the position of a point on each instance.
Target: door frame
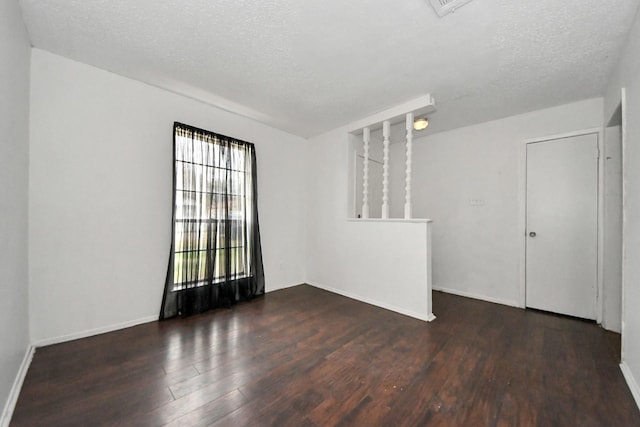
(623, 134)
(522, 217)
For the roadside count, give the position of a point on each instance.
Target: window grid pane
(211, 189)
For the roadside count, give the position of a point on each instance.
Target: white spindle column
(407, 188)
(366, 136)
(386, 131)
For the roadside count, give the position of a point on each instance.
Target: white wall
(612, 263)
(627, 75)
(383, 263)
(476, 249)
(14, 147)
(375, 183)
(100, 196)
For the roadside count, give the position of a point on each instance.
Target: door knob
(532, 234)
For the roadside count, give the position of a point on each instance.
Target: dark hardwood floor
(306, 357)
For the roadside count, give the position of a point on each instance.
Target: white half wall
(101, 196)
(466, 181)
(627, 75)
(395, 279)
(14, 165)
(380, 262)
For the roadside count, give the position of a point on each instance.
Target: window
(212, 215)
(215, 258)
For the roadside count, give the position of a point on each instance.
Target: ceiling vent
(445, 7)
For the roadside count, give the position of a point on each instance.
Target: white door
(562, 225)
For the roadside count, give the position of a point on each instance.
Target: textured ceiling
(308, 67)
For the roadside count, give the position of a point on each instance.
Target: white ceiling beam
(419, 107)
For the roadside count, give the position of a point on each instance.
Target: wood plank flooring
(306, 357)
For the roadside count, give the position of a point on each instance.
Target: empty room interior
(244, 213)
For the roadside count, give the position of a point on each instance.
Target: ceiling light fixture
(420, 123)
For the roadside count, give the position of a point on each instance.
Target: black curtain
(215, 259)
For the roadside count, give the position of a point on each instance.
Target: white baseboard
(617, 329)
(477, 296)
(12, 399)
(631, 382)
(91, 332)
(279, 287)
(97, 331)
(428, 318)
